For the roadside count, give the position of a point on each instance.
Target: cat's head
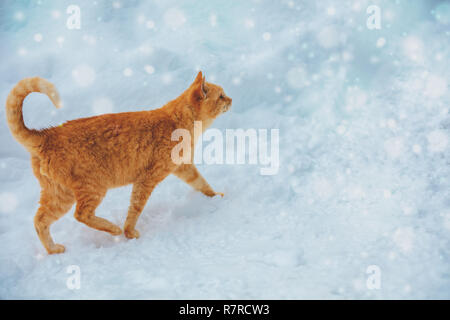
(208, 99)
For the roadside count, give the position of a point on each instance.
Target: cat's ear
(204, 89)
(198, 78)
(198, 88)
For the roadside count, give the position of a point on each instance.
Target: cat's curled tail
(30, 138)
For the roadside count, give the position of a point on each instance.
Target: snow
(413, 48)
(435, 87)
(266, 36)
(297, 77)
(8, 202)
(127, 72)
(19, 16)
(102, 105)
(83, 75)
(174, 18)
(150, 24)
(328, 37)
(37, 37)
(363, 184)
(149, 69)
(56, 14)
(437, 141)
(404, 238)
(381, 42)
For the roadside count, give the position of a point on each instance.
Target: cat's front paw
(211, 193)
(55, 249)
(131, 233)
(115, 231)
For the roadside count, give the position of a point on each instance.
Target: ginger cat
(81, 159)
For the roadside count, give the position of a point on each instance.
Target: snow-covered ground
(360, 207)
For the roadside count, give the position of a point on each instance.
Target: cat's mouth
(226, 107)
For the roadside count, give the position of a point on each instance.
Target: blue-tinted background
(364, 148)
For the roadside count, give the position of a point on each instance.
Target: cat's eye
(221, 96)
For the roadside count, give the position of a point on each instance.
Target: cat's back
(103, 124)
(123, 119)
(110, 131)
(115, 146)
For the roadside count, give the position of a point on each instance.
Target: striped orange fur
(80, 160)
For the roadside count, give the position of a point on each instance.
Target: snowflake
(213, 20)
(19, 16)
(417, 149)
(340, 129)
(174, 18)
(297, 77)
(413, 48)
(166, 78)
(392, 123)
(56, 14)
(394, 147)
(37, 37)
(90, 39)
(355, 192)
(146, 49)
(323, 188)
(22, 52)
(331, 11)
(356, 98)
(381, 42)
(437, 141)
(387, 193)
(436, 86)
(141, 19)
(404, 238)
(8, 202)
(83, 75)
(249, 23)
(149, 69)
(60, 40)
(127, 72)
(102, 105)
(328, 37)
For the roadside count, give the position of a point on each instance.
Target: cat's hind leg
(87, 202)
(54, 203)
